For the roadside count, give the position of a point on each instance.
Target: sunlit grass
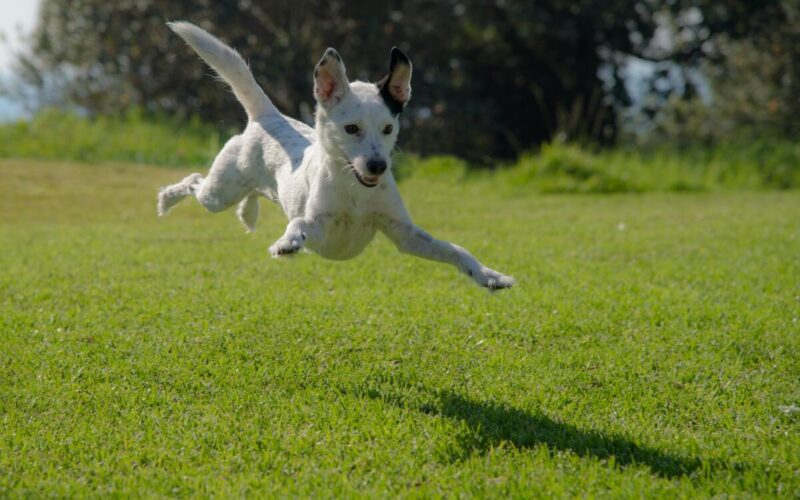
(651, 347)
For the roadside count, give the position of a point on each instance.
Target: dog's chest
(350, 225)
(346, 234)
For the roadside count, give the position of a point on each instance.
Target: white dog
(334, 182)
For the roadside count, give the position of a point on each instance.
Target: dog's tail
(230, 66)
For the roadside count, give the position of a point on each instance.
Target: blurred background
(569, 95)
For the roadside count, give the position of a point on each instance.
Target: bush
(564, 168)
(558, 167)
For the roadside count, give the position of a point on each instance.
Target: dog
(334, 182)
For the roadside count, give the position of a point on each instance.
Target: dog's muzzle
(373, 167)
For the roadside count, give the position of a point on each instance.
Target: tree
(753, 69)
(491, 78)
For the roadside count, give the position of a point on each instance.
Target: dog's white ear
(396, 86)
(330, 79)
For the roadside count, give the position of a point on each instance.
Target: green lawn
(650, 348)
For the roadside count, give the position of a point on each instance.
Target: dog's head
(358, 122)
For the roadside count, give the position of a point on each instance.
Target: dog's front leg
(298, 232)
(411, 239)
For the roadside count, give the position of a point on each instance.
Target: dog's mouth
(369, 182)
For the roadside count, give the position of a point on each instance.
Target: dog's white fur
(321, 176)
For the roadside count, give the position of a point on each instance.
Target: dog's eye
(387, 129)
(351, 129)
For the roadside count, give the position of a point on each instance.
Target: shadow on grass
(491, 424)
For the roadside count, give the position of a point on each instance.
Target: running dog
(334, 181)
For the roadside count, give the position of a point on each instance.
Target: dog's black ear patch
(395, 88)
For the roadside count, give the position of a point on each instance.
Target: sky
(16, 15)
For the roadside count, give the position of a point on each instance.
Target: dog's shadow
(491, 424)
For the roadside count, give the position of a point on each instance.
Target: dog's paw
(286, 246)
(491, 279)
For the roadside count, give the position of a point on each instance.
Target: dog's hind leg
(248, 212)
(169, 196)
(229, 181)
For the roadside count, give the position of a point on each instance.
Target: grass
(651, 347)
(135, 138)
(746, 164)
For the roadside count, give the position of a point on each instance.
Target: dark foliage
(491, 79)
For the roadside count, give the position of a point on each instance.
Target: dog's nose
(376, 167)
